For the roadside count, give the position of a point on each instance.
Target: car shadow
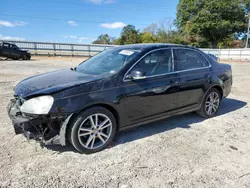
(61, 149)
(183, 121)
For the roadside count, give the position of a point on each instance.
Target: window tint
(155, 63)
(189, 59)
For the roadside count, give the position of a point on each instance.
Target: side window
(15, 47)
(189, 59)
(6, 45)
(155, 63)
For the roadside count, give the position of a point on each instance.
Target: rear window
(189, 59)
(5, 45)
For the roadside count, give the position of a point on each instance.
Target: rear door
(195, 76)
(156, 94)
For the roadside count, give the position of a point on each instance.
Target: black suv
(117, 89)
(13, 52)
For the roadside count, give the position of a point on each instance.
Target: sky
(79, 21)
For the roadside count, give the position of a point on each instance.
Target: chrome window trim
(173, 67)
(159, 49)
(185, 48)
(173, 61)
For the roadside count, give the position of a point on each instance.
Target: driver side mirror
(136, 75)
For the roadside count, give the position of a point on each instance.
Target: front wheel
(210, 104)
(92, 130)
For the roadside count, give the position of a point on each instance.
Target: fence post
(240, 55)
(72, 50)
(89, 50)
(35, 48)
(54, 48)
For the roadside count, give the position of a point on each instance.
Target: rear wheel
(92, 130)
(25, 57)
(210, 104)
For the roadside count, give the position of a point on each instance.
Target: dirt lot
(185, 151)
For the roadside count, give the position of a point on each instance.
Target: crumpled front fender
(63, 130)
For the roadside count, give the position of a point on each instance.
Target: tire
(81, 130)
(25, 57)
(204, 110)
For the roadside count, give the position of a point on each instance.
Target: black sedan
(12, 51)
(119, 88)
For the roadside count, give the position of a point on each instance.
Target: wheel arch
(219, 88)
(216, 86)
(109, 107)
(200, 110)
(64, 127)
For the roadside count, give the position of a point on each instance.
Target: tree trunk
(214, 44)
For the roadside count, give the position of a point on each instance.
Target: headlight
(38, 105)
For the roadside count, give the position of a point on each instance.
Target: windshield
(107, 62)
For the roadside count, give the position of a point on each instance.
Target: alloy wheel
(212, 103)
(95, 131)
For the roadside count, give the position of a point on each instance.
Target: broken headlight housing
(38, 105)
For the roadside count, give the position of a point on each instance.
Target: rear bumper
(45, 129)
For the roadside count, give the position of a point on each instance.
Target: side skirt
(159, 118)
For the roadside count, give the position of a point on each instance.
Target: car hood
(25, 51)
(51, 82)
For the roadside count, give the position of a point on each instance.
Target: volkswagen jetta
(116, 89)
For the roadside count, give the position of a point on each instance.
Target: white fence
(241, 54)
(59, 49)
(65, 49)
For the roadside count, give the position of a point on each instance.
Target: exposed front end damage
(48, 129)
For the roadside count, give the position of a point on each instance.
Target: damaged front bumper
(48, 129)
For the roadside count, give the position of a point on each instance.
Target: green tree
(152, 28)
(170, 36)
(103, 39)
(213, 20)
(129, 35)
(162, 36)
(148, 38)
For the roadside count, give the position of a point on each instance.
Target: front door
(14, 51)
(195, 76)
(154, 95)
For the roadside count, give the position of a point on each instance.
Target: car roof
(150, 46)
(7, 43)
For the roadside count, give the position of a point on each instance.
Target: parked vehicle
(13, 52)
(117, 89)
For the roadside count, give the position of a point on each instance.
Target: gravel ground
(184, 151)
